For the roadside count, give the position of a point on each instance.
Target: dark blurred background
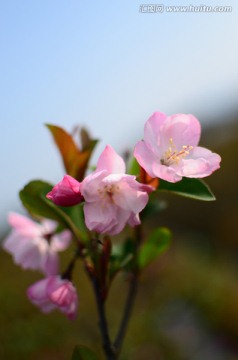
(187, 305)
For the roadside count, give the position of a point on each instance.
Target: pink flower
(112, 198)
(169, 150)
(54, 293)
(35, 245)
(66, 192)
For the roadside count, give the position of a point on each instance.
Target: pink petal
(100, 218)
(24, 225)
(152, 129)
(25, 251)
(13, 241)
(72, 310)
(139, 186)
(52, 293)
(28, 257)
(48, 226)
(167, 173)
(145, 157)
(200, 163)
(37, 294)
(38, 291)
(63, 295)
(134, 220)
(128, 198)
(151, 164)
(66, 192)
(122, 218)
(182, 129)
(110, 161)
(50, 263)
(91, 184)
(61, 241)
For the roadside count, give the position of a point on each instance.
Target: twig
(127, 312)
(112, 350)
(131, 295)
(107, 345)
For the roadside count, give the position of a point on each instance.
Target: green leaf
(83, 353)
(157, 243)
(134, 168)
(192, 188)
(33, 197)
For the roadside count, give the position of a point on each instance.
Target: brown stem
(131, 295)
(67, 274)
(108, 348)
(112, 350)
(126, 313)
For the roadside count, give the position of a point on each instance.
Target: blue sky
(106, 66)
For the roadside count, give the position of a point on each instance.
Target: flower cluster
(111, 200)
(35, 246)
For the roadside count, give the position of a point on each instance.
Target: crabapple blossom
(169, 150)
(35, 245)
(54, 293)
(112, 198)
(66, 192)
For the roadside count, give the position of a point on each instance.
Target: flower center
(47, 236)
(173, 156)
(107, 191)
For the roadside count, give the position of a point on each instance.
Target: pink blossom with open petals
(112, 198)
(35, 245)
(169, 150)
(54, 293)
(66, 192)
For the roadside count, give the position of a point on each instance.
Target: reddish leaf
(85, 139)
(75, 161)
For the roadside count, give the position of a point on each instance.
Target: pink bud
(66, 192)
(54, 293)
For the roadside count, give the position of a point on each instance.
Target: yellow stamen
(172, 155)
